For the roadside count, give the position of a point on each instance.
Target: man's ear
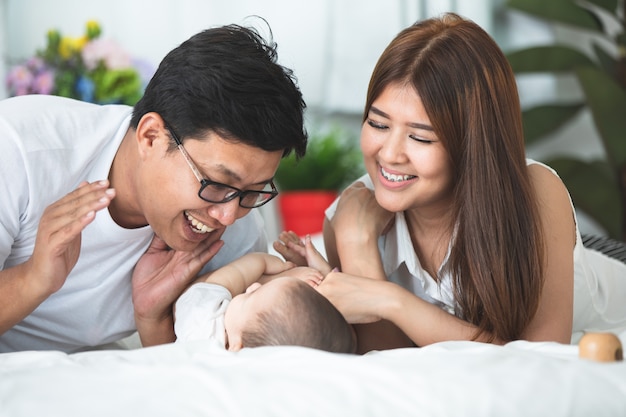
(151, 129)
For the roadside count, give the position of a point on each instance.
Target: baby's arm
(243, 272)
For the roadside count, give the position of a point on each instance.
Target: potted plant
(310, 184)
(597, 187)
(88, 68)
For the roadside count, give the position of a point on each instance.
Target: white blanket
(197, 379)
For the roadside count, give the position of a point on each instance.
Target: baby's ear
(234, 343)
(253, 287)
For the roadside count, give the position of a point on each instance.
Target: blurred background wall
(332, 46)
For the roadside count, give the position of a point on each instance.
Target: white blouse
(599, 281)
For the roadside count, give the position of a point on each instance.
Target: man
(87, 188)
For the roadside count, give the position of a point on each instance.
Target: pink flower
(43, 82)
(20, 79)
(35, 64)
(107, 51)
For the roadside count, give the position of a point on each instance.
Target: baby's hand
(314, 258)
(291, 248)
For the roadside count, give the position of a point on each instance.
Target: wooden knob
(601, 347)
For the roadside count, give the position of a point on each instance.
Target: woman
(482, 242)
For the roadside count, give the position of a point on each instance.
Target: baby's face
(244, 308)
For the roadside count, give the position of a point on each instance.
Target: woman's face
(408, 164)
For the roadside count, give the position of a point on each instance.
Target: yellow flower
(81, 42)
(71, 46)
(93, 29)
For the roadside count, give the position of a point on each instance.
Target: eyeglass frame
(204, 182)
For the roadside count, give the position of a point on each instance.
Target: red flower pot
(303, 211)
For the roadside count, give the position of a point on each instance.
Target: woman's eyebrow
(379, 112)
(421, 126)
(415, 125)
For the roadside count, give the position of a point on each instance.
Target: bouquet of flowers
(87, 68)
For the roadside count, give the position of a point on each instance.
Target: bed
(199, 379)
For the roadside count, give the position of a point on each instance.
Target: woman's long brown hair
(469, 92)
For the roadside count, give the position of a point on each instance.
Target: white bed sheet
(197, 379)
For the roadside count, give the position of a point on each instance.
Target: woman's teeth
(198, 226)
(395, 177)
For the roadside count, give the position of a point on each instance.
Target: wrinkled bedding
(199, 379)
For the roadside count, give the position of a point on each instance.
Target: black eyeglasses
(216, 192)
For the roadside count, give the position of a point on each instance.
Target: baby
(261, 300)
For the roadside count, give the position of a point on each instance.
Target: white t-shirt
(48, 145)
(599, 281)
(199, 313)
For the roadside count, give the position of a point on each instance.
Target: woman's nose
(392, 148)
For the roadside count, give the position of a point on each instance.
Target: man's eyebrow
(226, 171)
(415, 125)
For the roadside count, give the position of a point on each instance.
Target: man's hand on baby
(161, 275)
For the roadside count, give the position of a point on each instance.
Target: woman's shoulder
(545, 179)
(553, 199)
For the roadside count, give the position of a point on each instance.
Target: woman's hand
(351, 236)
(358, 217)
(357, 298)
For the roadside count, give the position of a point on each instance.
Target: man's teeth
(395, 177)
(198, 227)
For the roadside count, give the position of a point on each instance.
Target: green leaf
(117, 86)
(547, 59)
(332, 160)
(563, 11)
(607, 101)
(608, 5)
(594, 190)
(542, 120)
(607, 62)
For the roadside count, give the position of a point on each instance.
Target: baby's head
(287, 311)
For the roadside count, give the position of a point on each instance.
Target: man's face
(169, 189)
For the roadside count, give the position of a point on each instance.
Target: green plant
(332, 160)
(597, 187)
